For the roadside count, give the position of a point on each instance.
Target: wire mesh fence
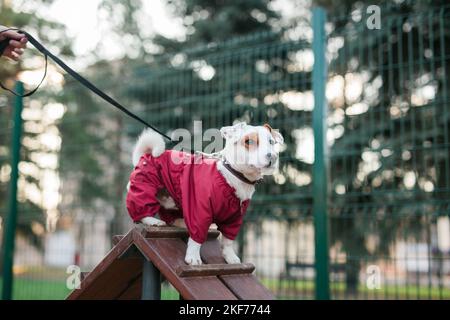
(388, 102)
(388, 159)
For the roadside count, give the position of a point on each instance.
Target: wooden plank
(244, 287)
(215, 269)
(119, 274)
(247, 287)
(174, 232)
(211, 252)
(116, 239)
(111, 277)
(165, 232)
(168, 256)
(83, 275)
(114, 281)
(134, 291)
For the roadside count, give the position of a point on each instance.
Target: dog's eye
(249, 142)
(271, 141)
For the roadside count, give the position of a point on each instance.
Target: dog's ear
(233, 133)
(277, 136)
(268, 127)
(275, 133)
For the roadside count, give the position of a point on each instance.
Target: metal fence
(389, 156)
(363, 183)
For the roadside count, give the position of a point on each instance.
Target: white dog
(194, 191)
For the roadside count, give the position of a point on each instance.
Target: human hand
(17, 43)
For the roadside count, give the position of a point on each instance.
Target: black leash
(240, 175)
(5, 43)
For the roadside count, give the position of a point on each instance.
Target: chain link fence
(387, 140)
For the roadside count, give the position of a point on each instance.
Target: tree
(32, 211)
(375, 205)
(218, 78)
(92, 152)
(91, 155)
(177, 72)
(186, 83)
(215, 77)
(214, 21)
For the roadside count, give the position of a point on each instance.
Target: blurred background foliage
(249, 48)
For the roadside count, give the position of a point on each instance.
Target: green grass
(304, 289)
(27, 289)
(44, 289)
(47, 289)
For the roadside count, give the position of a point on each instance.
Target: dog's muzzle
(272, 158)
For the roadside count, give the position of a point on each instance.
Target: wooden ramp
(135, 265)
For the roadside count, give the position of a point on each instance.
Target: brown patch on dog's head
(268, 127)
(251, 141)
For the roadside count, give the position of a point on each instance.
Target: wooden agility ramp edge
(134, 266)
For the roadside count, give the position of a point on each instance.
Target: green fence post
(10, 223)
(322, 286)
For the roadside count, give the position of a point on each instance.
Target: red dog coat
(197, 187)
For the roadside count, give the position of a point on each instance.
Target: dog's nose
(272, 159)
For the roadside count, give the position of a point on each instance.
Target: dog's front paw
(229, 256)
(193, 253)
(150, 221)
(193, 259)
